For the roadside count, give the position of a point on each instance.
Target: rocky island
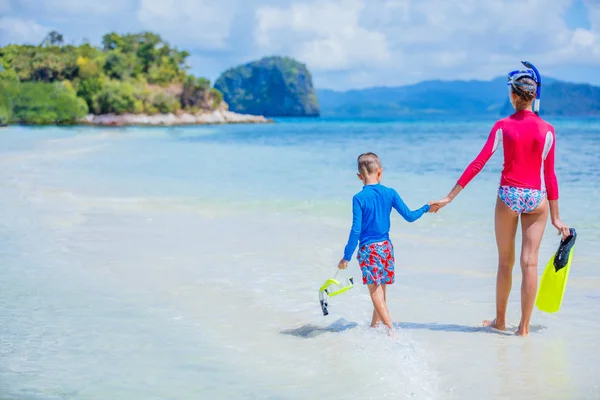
(272, 86)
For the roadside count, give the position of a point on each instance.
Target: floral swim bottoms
(521, 200)
(376, 262)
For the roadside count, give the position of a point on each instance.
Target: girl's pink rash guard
(528, 143)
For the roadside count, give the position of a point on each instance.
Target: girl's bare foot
(522, 332)
(494, 324)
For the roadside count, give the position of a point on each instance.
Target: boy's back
(375, 202)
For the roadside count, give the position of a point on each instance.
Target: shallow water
(165, 263)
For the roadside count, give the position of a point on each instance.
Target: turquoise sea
(184, 263)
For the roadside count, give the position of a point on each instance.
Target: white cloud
(405, 41)
(345, 43)
(441, 34)
(199, 23)
(17, 30)
(326, 35)
(583, 38)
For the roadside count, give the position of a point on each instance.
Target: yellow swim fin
(555, 276)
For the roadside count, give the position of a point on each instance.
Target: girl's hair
(368, 163)
(525, 88)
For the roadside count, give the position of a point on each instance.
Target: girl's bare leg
(533, 225)
(506, 221)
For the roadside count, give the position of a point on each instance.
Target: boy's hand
(433, 207)
(343, 264)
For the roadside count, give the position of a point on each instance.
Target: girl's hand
(562, 228)
(437, 205)
(343, 264)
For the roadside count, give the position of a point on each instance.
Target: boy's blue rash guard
(371, 209)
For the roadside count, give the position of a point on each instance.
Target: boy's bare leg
(377, 293)
(376, 320)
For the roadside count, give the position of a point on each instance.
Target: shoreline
(217, 117)
(181, 119)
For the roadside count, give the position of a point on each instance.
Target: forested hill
(132, 73)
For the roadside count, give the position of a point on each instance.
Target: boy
(371, 209)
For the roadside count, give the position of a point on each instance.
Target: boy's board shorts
(376, 262)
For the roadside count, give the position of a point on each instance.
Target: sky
(346, 44)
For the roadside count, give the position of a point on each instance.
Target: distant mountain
(272, 86)
(456, 98)
(568, 99)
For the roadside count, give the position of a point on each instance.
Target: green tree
(111, 41)
(53, 39)
(40, 63)
(147, 50)
(8, 91)
(47, 103)
(194, 91)
(115, 97)
(5, 112)
(165, 103)
(88, 51)
(88, 90)
(216, 98)
(120, 65)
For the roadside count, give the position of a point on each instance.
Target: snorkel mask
(330, 288)
(530, 72)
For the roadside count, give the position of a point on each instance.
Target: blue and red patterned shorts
(376, 262)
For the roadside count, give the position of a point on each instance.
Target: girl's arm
(552, 186)
(556, 221)
(491, 145)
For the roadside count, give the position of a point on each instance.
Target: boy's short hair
(368, 163)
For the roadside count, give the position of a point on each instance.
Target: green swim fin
(555, 276)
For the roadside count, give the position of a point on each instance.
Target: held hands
(435, 206)
(343, 264)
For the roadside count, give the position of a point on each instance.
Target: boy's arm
(407, 214)
(355, 231)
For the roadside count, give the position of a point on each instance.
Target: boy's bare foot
(391, 333)
(494, 324)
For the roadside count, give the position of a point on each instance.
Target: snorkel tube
(332, 287)
(538, 78)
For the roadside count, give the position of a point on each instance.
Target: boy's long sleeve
(355, 231)
(406, 213)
